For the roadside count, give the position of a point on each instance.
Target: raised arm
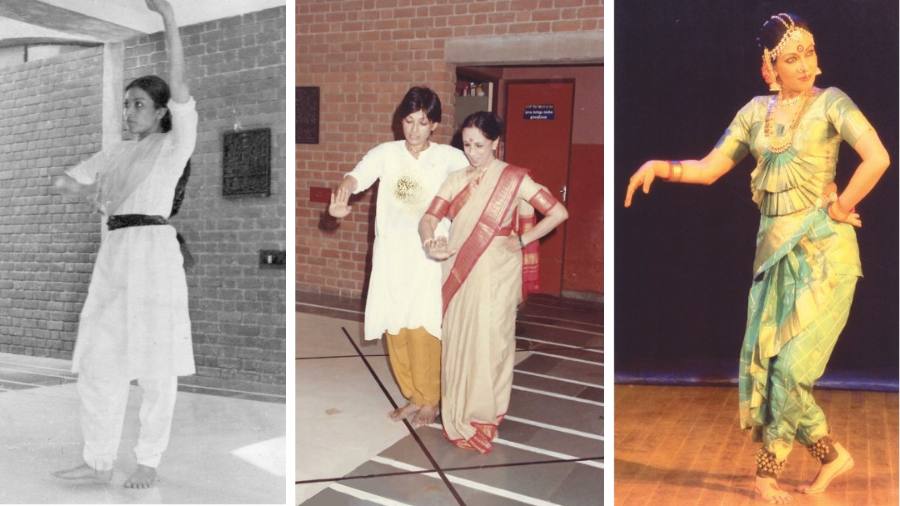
(875, 161)
(177, 83)
(705, 171)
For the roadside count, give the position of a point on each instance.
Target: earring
(818, 71)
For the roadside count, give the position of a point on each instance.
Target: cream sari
(482, 288)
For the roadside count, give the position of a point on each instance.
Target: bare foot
(142, 477)
(425, 416)
(829, 471)
(86, 473)
(405, 412)
(768, 490)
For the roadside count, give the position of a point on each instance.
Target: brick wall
(51, 112)
(364, 55)
(236, 71)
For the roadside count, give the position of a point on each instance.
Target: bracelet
(521, 244)
(675, 170)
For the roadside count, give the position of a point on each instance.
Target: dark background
(683, 254)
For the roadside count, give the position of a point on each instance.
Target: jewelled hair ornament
(770, 55)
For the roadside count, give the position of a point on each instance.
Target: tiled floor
(550, 446)
(681, 446)
(224, 447)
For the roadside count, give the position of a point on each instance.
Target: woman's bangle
(675, 170)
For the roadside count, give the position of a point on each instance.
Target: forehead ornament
(770, 55)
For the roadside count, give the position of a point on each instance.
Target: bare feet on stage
(405, 412)
(84, 472)
(829, 471)
(142, 477)
(425, 416)
(768, 490)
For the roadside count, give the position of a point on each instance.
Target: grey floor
(227, 445)
(550, 446)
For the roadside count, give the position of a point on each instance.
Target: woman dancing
(807, 260)
(491, 206)
(135, 323)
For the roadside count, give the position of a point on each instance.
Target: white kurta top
(135, 320)
(405, 285)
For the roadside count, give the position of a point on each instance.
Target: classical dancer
(807, 260)
(404, 299)
(490, 252)
(135, 322)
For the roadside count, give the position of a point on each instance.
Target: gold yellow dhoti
(415, 357)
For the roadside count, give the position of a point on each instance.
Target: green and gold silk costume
(806, 264)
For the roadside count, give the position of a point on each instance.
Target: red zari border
(481, 441)
(496, 208)
(438, 208)
(543, 201)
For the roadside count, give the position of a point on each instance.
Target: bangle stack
(675, 170)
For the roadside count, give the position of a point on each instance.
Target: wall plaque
(306, 108)
(246, 164)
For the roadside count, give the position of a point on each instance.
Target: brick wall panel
(364, 55)
(236, 69)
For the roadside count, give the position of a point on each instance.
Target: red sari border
(481, 441)
(485, 230)
(438, 208)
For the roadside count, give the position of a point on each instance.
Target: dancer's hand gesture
(160, 6)
(438, 248)
(338, 206)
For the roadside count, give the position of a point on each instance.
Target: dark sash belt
(118, 221)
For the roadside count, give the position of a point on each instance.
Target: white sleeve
(458, 160)
(369, 168)
(86, 171)
(184, 127)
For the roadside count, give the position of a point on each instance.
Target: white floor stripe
(549, 453)
(28, 367)
(563, 357)
(582, 331)
(527, 319)
(26, 384)
(43, 374)
(558, 396)
(481, 487)
(276, 396)
(559, 344)
(556, 378)
(366, 496)
(557, 428)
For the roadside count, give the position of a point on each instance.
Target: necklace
(783, 142)
(789, 101)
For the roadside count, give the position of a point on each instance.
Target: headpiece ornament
(770, 55)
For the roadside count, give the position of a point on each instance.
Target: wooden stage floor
(682, 446)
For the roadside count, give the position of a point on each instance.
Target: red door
(539, 137)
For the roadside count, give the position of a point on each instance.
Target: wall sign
(540, 112)
(306, 108)
(246, 163)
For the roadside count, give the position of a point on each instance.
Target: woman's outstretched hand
(160, 6)
(340, 198)
(643, 177)
(438, 248)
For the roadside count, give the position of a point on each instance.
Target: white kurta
(135, 320)
(405, 285)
